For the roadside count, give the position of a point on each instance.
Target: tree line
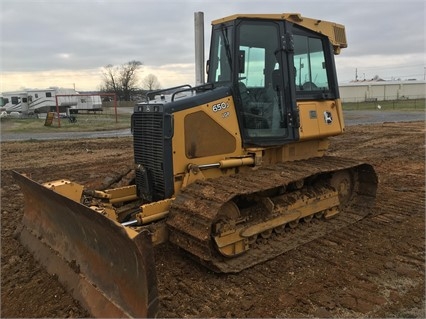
(123, 80)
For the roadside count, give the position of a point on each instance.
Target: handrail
(202, 86)
(153, 93)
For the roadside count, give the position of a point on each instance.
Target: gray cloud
(77, 35)
(386, 28)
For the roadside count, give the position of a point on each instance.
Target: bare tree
(150, 83)
(110, 74)
(129, 78)
(121, 79)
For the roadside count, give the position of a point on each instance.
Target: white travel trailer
(35, 101)
(86, 103)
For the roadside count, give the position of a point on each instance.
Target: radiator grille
(148, 140)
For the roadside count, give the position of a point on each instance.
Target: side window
(221, 57)
(15, 100)
(48, 94)
(3, 101)
(254, 61)
(309, 64)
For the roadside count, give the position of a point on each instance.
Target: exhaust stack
(199, 48)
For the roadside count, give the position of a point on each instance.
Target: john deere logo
(328, 118)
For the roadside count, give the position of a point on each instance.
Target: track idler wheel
(228, 217)
(343, 183)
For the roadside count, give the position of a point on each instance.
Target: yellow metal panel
(158, 207)
(223, 112)
(122, 194)
(319, 119)
(205, 137)
(66, 188)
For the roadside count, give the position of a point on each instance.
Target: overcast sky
(66, 43)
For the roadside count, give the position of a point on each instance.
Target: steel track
(195, 209)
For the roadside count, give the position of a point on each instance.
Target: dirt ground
(374, 268)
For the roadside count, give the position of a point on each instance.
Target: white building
(362, 91)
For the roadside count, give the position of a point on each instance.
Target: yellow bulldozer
(231, 170)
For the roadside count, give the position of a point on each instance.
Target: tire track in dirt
(374, 268)
(362, 291)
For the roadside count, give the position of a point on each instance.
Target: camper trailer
(86, 103)
(35, 101)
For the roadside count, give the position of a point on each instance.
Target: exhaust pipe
(199, 48)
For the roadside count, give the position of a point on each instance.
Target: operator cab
(271, 64)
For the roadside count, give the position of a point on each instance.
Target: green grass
(85, 122)
(397, 105)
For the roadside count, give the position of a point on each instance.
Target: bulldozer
(233, 171)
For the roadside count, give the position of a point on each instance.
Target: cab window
(309, 64)
(219, 67)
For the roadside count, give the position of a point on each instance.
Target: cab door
(266, 105)
(315, 84)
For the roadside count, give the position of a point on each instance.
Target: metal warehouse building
(382, 90)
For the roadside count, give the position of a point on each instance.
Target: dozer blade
(110, 273)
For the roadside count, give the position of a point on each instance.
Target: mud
(374, 268)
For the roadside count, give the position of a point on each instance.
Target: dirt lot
(374, 268)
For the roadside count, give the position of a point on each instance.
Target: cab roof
(334, 31)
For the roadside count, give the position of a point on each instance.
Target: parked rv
(35, 101)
